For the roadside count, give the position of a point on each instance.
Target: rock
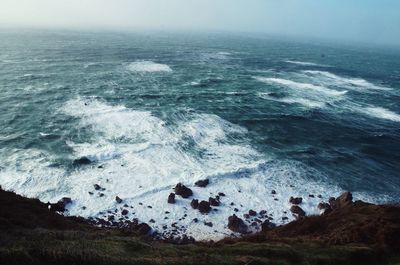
(263, 213)
(273, 192)
(171, 198)
(323, 206)
(195, 220)
(221, 194)
(267, 225)
(124, 212)
(194, 204)
(246, 215)
(82, 161)
(97, 187)
(252, 213)
(297, 211)
(213, 202)
(152, 221)
(236, 210)
(343, 200)
(208, 224)
(118, 199)
(236, 224)
(204, 207)
(60, 205)
(311, 195)
(183, 191)
(297, 200)
(143, 229)
(202, 183)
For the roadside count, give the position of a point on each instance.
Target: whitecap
(381, 113)
(304, 63)
(148, 67)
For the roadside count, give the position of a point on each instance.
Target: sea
(262, 118)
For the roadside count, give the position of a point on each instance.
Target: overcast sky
(375, 21)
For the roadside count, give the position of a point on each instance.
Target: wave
(305, 63)
(291, 100)
(352, 82)
(381, 113)
(304, 86)
(148, 67)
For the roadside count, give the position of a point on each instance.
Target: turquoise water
(251, 113)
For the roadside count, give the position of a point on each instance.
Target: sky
(368, 21)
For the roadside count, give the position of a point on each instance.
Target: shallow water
(251, 114)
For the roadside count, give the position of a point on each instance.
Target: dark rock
(194, 204)
(171, 198)
(263, 212)
(195, 220)
(118, 199)
(296, 201)
(204, 207)
(297, 211)
(246, 215)
(273, 192)
(152, 221)
(213, 202)
(236, 210)
(343, 200)
(202, 183)
(324, 206)
(143, 229)
(101, 194)
(149, 206)
(267, 225)
(252, 213)
(232, 203)
(91, 193)
(82, 161)
(284, 218)
(236, 224)
(208, 224)
(221, 194)
(97, 187)
(183, 191)
(311, 196)
(60, 205)
(124, 212)
(319, 196)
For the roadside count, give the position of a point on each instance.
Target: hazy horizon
(368, 21)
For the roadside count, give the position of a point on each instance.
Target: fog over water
(369, 21)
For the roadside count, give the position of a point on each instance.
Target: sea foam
(148, 67)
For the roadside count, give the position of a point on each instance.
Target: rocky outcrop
(82, 161)
(297, 211)
(296, 201)
(171, 198)
(183, 191)
(343, 200)
(194, 203)
(202, 183)
(204, 207)
(237, 225)
(60, 206)
(213, 201)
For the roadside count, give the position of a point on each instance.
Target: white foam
(143, 158)
(291, 100)
(148, 67)
(348, 82)
(298, 85)
(304, 63)
(381, 113)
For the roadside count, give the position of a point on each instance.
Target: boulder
(143, 229)
(194, 204)
(297, 211)
(297, 200)
(118, 199)
(204, 207)
(183, 191)
(171, 198)
(273, 192)
(97, 187)
(236, 224)
(124, 212)
(252, 213)
(267, 225)
(82, 161)
(343, 200)
(213, 202)
(202, 183)
(60, 205)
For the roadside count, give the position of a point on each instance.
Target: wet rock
(297, 200)
(297, 211)
(204, 207)
(101, 194)
(97, 187)
(221, 194)
(236, 210)
(194, 204)
(60, 205)
(252, 213)
(171, 198)
(202, 183)
(267, 225)
(213, 202)
(236, 224)
(124, 212)
(82, 161)
(343, 200)
(246, 215)
(183, 191)
(152, 221)
(143, 229)
(118, 199)
(263, 213)
(273, 192)
(195, 220)
(91, 193)
(311, 195)
(208, 224)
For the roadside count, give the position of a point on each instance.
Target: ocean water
(252, 114)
